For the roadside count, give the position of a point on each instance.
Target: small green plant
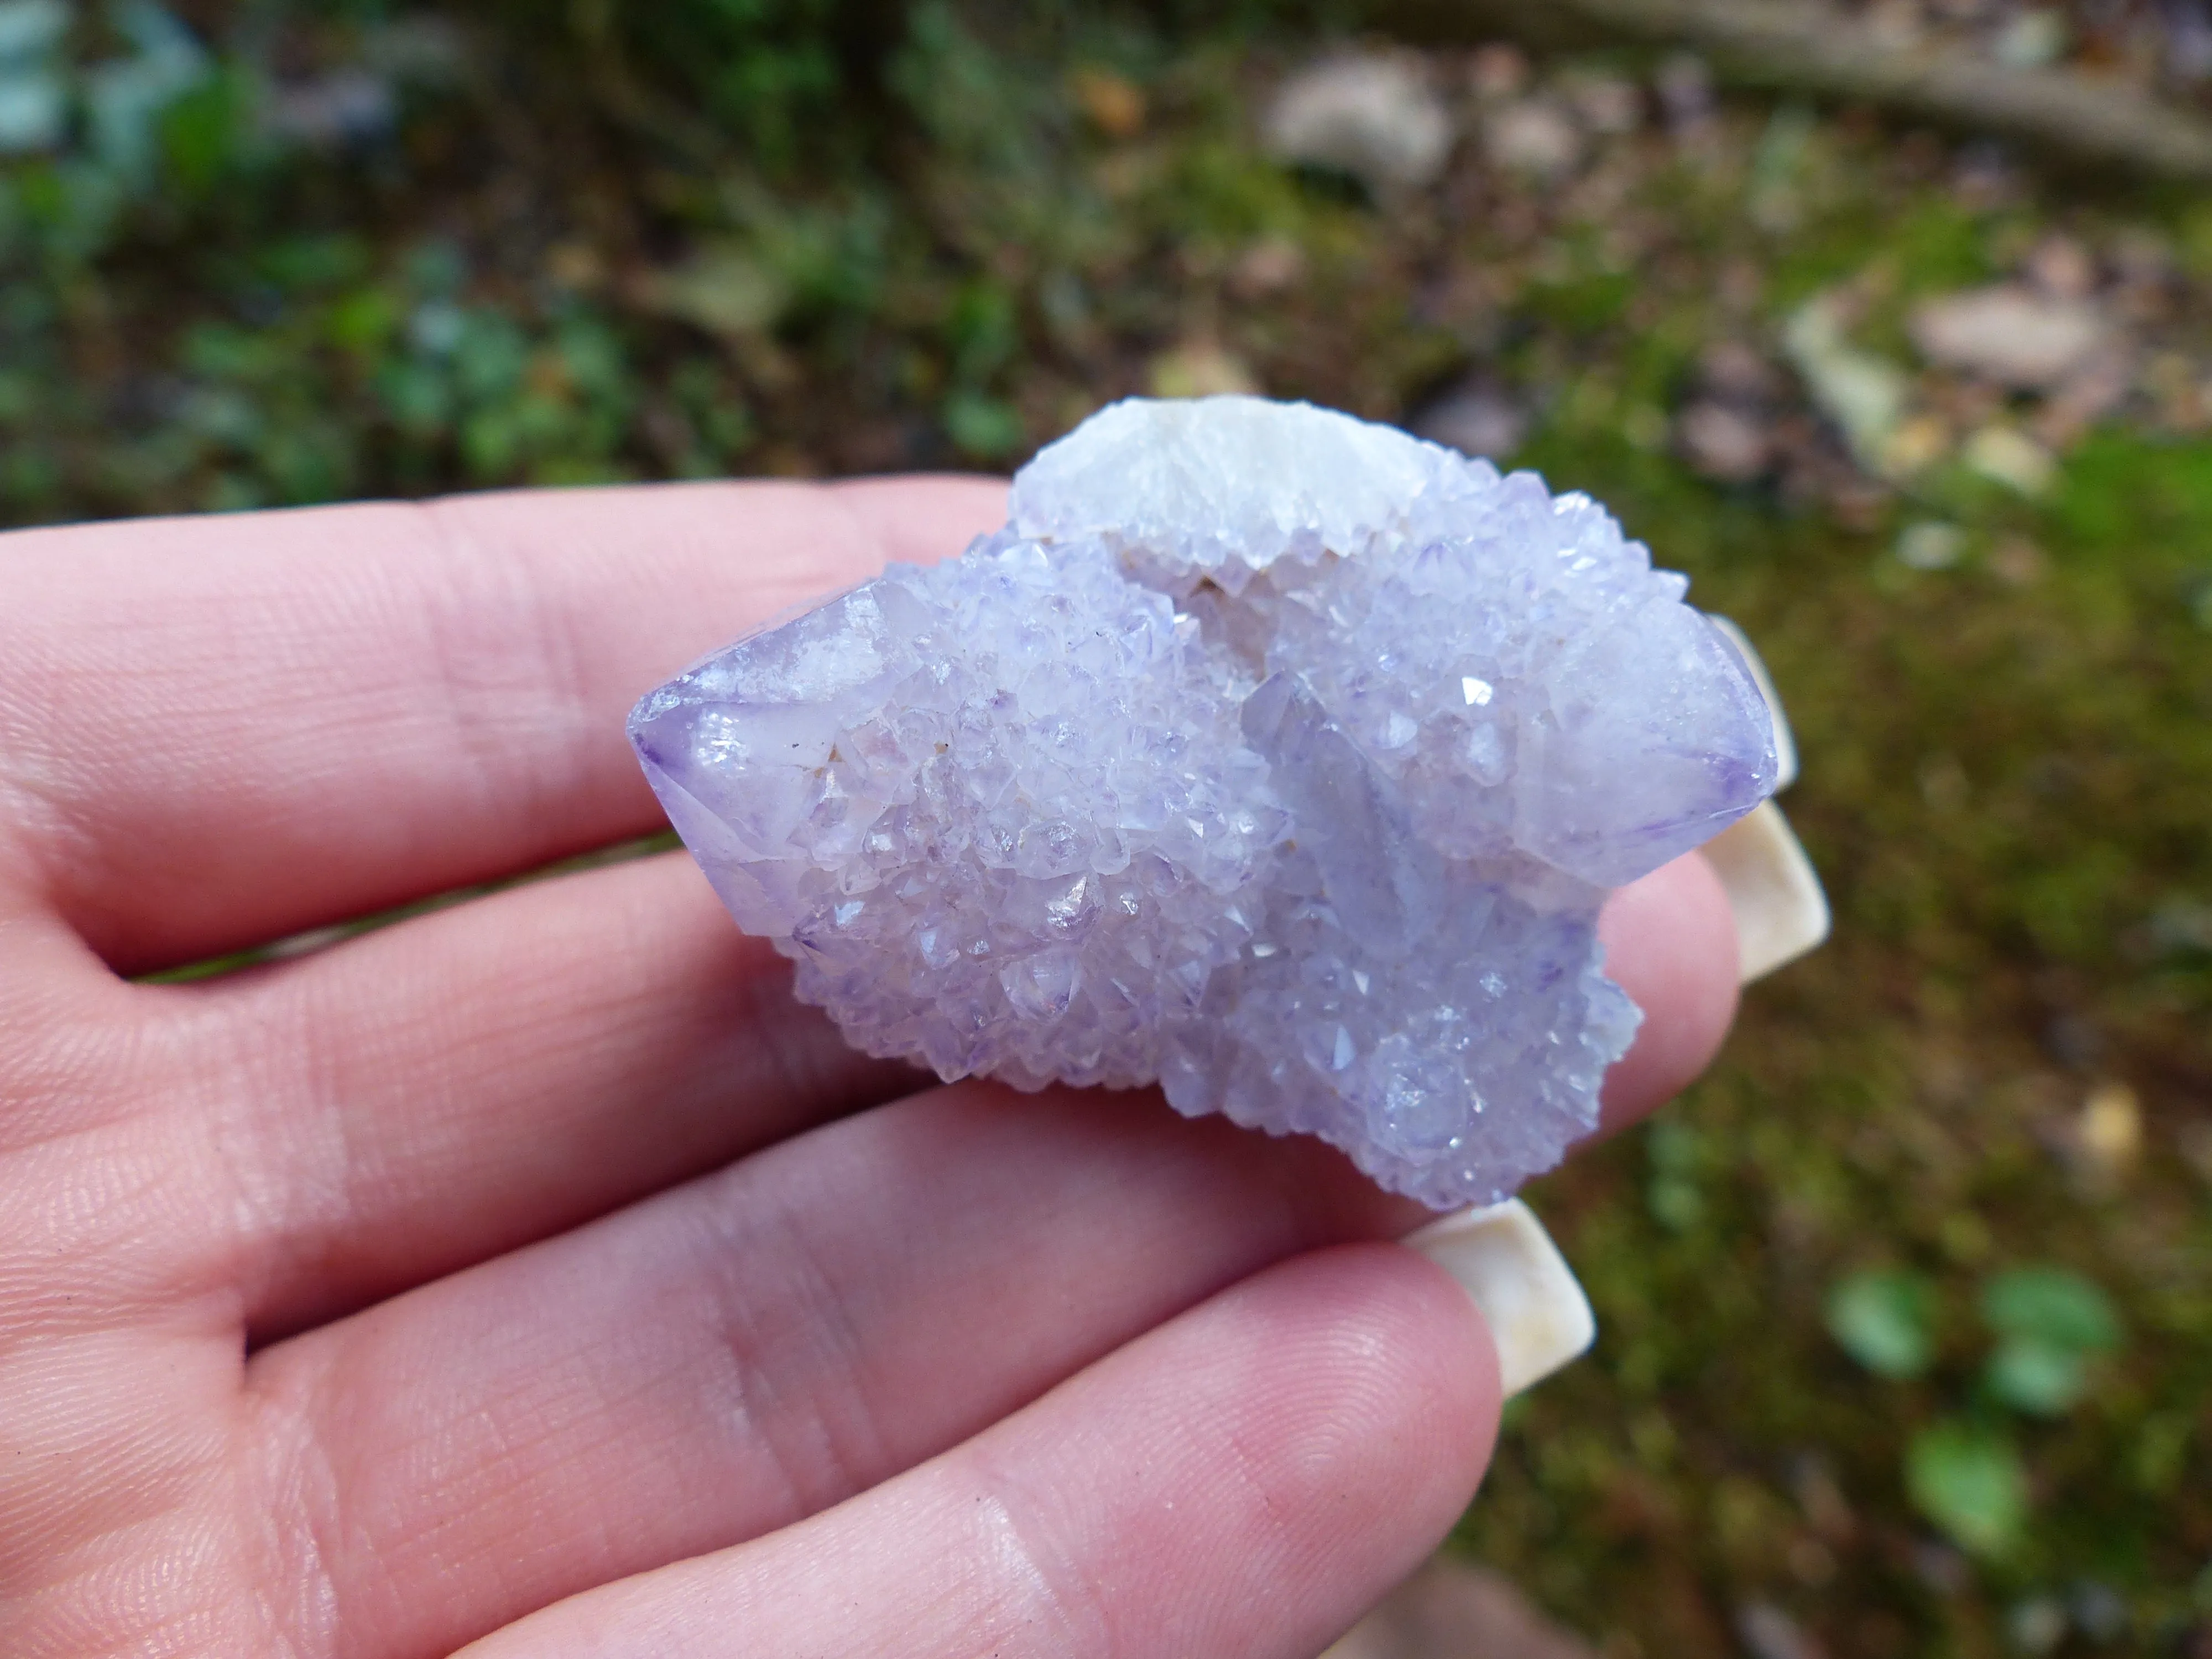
(1885, 1320)
(1968, 1479)
(1965, 1471)
(1675, 1199)
(2051, 1325)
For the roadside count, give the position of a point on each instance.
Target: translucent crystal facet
(1277, 757)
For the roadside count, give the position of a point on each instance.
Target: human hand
(534, 1273)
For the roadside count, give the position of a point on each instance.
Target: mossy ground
(804, 239)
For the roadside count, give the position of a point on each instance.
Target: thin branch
(1815, 49)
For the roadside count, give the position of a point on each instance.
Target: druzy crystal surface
(1277, 757)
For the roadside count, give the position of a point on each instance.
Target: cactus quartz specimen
(1277, 757)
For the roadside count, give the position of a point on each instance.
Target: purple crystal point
(1276, 758)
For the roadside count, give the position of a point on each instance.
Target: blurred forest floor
(1906, 1310)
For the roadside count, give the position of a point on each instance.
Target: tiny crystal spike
(1276, 758)
(1774, 891)
(1785, 743)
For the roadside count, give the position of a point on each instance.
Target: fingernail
(1785, 745)
(1773, 890)
(1503, 1258)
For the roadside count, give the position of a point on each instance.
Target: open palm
(534, 1273)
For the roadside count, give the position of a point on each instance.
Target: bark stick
(1810, 47)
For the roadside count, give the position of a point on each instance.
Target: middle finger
(466, 1082)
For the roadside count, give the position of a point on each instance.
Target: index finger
(217, 731)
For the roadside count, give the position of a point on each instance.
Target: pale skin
(534, 1277)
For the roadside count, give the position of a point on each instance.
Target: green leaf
(363, 321)
(1970, 1482)
(2052, 1307)
(984, 426)
(2036, 1377)
(984, 328)
(1678, 1157)
(31, 29)
(1675, 1204)
(204, 131)
(127, 97)
(1885, 1320)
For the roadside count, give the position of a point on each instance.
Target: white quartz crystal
(1274, 756)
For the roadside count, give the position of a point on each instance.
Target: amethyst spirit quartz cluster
(1276, 758)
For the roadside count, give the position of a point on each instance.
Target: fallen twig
(1812, 48)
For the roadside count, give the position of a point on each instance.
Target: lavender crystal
(1274, 756)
